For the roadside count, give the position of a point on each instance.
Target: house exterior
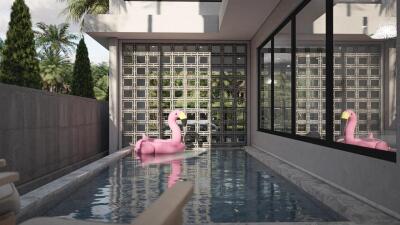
(274, 75)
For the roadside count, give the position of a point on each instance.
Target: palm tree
(53, 71)
(77, 9)
(55, 38)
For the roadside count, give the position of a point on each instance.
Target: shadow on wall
(92, 24)
(118, 4)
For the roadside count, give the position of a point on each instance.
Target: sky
(50, 12)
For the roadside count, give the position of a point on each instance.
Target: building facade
(274, 75)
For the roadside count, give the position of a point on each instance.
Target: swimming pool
(230, 186)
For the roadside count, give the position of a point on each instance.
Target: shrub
(19, 64)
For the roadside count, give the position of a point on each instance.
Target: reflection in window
(265, 87)
(368, 107)
(282, 80)
(310, 65)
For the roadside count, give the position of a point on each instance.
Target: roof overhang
(237, 20)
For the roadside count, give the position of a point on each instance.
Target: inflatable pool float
(148, 145)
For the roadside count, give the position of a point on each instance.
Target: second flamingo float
(369, 142)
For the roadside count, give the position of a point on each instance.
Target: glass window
(369, 62)
(203, 59)
(166, 59)
(140, 59)
(191, 59)
(140, 93)
(310, 53)
(178, 59)
(153, 59)
(265, 87)
(282, 80)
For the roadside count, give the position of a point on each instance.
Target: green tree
(54, 71)
(82, 81)
(99, 70)
(19, 64)
(101, 89)
(56, 38)
(100, 79)
(77, 9)
(1, 47)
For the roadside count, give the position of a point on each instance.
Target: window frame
(328, 141)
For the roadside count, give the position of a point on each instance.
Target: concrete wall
(374, 181)
(42, 133)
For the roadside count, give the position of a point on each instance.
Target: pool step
(9, 197)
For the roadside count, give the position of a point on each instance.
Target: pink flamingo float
(369, 141)
(148, 145)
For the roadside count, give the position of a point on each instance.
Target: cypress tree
(82, 81)
(19, 64)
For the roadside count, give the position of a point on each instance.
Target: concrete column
(113, 96)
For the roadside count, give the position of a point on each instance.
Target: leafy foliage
(55, 72)
(82, 81)
(100, 78)
(77, 9)
(55, 44)
(55, 38)
(101, 89)
(1, 47)
(19, 64)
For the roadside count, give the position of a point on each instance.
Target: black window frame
(329, 97)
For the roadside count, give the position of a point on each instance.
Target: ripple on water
(230, 186)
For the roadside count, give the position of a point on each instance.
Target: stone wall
(43, 133)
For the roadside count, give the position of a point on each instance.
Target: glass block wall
(357, 85)
(207, 81)
(310, 118)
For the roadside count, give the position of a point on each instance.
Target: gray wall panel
(42, 132)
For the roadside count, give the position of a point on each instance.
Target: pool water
(230, 186)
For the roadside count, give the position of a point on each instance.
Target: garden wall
(45, 135)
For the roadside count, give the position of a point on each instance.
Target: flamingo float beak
(182, 116)
(345, 115)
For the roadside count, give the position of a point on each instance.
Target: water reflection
(174, 160)
(230, 186)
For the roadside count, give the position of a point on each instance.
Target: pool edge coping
(39, 200)
(340, 201)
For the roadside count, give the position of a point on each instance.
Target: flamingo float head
(347, 114)
(178, 114)
(351, 122)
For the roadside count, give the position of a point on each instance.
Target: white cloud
(49, 12)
